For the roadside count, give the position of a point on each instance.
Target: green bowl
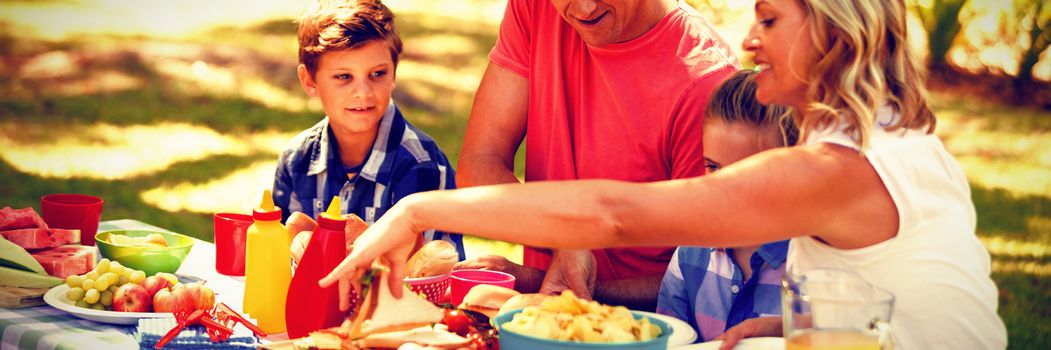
(150, 260)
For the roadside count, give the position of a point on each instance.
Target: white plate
(682, 332)
(760, 343)
(56, 297)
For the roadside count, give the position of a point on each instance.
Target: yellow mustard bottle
(268, 270)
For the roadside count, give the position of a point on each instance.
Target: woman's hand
(392, 238)
(755, 327)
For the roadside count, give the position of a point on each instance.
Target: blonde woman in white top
(869, 189)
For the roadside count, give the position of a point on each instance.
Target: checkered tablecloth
(45, 327)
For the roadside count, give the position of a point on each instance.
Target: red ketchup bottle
(308, 307)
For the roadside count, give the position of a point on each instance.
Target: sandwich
(487, 299)
(381, 312)
(427, 336)
(383, 321)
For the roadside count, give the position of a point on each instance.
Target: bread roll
(433, 259)
(302, 227)
(298, 222)
(355, 227)
(299, 245)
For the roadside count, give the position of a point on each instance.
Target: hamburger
(487, 299)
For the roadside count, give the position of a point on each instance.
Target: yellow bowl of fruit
(146, 250)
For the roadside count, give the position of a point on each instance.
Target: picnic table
(45, 327)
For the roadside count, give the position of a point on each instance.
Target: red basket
(435, 288)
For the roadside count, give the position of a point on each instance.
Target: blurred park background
(175, 110)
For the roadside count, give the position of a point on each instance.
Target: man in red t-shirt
(611, 89)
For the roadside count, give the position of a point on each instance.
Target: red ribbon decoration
(218, 323)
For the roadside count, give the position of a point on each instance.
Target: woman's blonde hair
(863, 61)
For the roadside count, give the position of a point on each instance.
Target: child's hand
(756, 327)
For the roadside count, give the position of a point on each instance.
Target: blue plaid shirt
(703, 286)
(404, 160)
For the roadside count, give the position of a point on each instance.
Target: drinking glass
(73, 211)
(834, 309)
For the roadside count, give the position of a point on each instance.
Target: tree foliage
(1035, 23)
(941, 19)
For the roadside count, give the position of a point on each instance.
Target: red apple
(131, 297)
(173, 299)
(154, 284)
(203, 297)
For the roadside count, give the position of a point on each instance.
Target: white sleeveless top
(936, 268)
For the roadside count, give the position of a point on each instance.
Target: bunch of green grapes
(95, 289)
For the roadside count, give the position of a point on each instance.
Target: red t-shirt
(628, 111)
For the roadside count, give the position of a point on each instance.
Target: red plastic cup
(73, 212)
(464, 280)
(230, 240)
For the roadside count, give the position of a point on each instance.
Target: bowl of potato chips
(568, 322)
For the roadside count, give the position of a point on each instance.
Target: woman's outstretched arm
(821, 190)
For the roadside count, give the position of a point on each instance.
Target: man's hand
(527, 279)
(571, 269)
(755, 327)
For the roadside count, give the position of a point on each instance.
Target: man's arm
(638, 293)
(494, 132)
(527, 279)
(495, 129)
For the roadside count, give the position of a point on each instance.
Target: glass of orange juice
(834, 309)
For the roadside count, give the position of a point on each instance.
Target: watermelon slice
(11, 219)
(40, 238)
(66, 260)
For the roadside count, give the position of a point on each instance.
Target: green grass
(1005, 149)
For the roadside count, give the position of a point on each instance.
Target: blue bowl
(516, 341)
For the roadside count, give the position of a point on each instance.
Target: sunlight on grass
(60, 19)
(1027, 267)
(222, 81)
(443, 45)
(113, 152)
(238, 192)
(462, 80)
(1018, 177)
(1014, 248)
(66, 77)
(1012, 155)
(98, 82)
(484, 11)
(476, 247)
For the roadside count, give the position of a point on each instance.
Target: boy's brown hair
(333, 25)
